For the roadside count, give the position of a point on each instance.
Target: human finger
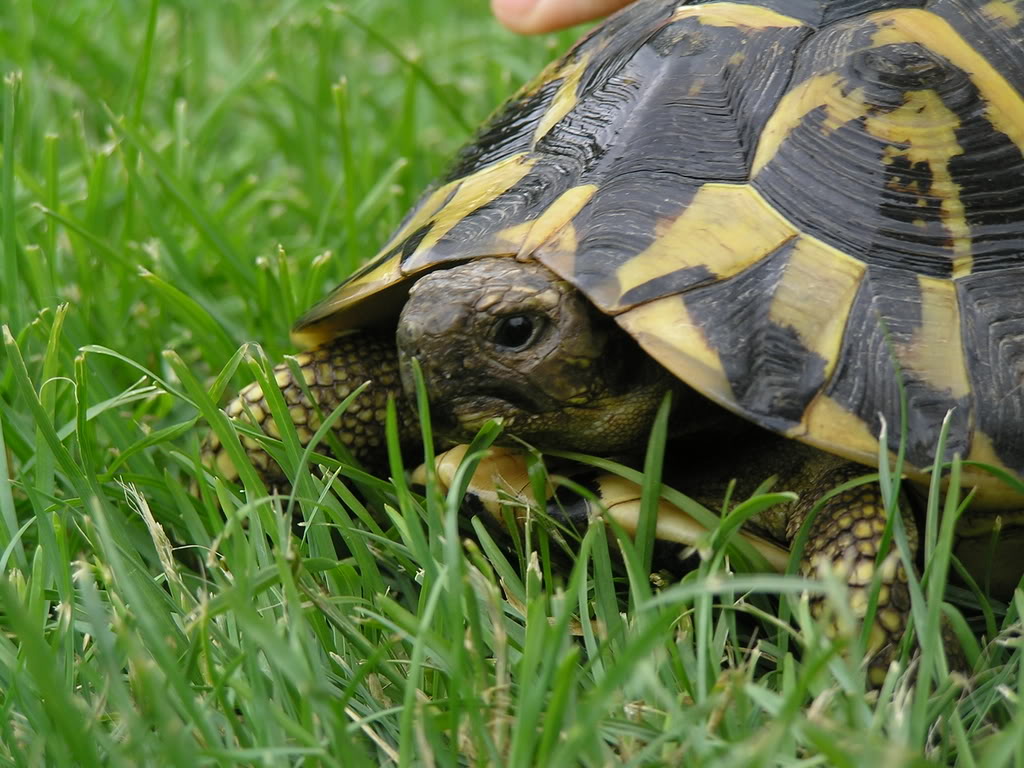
(530, 17)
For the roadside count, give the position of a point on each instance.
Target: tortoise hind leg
(331, 373)
(845, 537)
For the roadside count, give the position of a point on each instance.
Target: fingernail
(509, 7)
(514, 14)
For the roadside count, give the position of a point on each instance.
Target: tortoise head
(497, 338)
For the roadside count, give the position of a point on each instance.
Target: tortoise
(807, 214)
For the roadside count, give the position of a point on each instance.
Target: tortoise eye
(516, 331)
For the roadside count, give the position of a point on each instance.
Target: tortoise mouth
(461, 417)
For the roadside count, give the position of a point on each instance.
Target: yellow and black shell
(810, 211)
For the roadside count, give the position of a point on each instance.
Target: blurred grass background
(188, 175)
(191, 139)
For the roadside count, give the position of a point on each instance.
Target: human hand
(532, 16)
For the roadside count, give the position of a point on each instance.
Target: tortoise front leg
(331, 373)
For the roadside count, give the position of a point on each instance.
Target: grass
(180, 178)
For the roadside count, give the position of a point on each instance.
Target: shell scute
(992, 305)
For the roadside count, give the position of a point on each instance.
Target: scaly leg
(845, 537)
(331, 373)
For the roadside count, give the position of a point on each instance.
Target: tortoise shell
(810, 211)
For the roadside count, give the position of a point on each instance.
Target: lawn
(179, 179)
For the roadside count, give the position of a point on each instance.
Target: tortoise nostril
(409, 333)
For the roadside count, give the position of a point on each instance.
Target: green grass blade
(10, 307)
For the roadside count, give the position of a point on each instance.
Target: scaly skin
(845, 534)
(331, 373)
